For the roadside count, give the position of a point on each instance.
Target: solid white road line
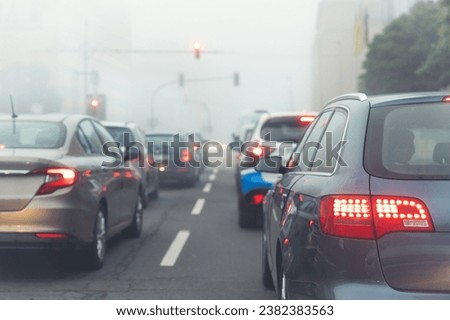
(175, 248)
(212, 177)
(207, 187)
(198, 207)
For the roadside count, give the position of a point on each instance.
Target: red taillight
(51, 235)
(56, 178)
(446, 99)
(346, 216)
(259, 151)
(400, 214)
(257, 199)
(306, 119)
(185, 155)
(364, 217)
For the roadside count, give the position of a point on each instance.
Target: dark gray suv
(363, 208)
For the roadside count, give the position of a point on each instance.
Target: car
(276, 134)
(136, 137)
(362, 210)
(180, 164)
(60, 190)
(245, 126)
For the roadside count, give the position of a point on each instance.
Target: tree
(437, 65)
(396, 55)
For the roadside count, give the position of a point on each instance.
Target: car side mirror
(271, 165)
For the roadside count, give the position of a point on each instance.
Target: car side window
(83, 141)
(302, 156)
(91, 137)
(325, 160)
(103, 133)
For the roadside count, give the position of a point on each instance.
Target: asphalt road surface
(191, 248)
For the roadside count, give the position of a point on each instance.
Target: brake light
(347, 216)
(259, 151)
(56, 178)
(306, 119)
(400, 214)
(51, 235)
(365, 217)
(185, 155)
(446, 99)
(257, 199)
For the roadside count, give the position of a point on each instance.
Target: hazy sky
(267, 42)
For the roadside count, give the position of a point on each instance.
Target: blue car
(274, 134)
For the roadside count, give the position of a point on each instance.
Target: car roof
(394, 98)
(124, 124)
(67, 119)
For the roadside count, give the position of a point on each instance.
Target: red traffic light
(94, 103)
(197, 48)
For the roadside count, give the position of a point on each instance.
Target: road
(189, 249)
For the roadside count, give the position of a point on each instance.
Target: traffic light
(94, 103)
(197, 48)
(96, 106)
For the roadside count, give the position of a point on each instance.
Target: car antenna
(13, 114)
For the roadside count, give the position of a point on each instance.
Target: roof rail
(349, 96)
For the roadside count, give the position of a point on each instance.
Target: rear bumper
(19, 228)
(29, 241)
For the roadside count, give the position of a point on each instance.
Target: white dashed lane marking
(198, 207)
(171, 256)
(207, 187)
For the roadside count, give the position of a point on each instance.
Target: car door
(300, 221)
(297, 166)
(128, 179)
(109, 178)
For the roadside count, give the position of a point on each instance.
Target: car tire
(95, 252)
(247, 219)
(135, 229)
(266, 275)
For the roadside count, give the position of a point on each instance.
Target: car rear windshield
(409, 142)
(31, 134)
(283, 129)
(118, 135)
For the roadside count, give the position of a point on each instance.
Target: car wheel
(247, 219)
(96, 250)
(266, 276)
(135, 229)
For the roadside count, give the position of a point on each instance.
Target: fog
(54, 53)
